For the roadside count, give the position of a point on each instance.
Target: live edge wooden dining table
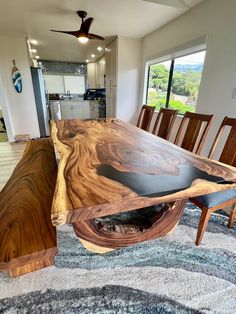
(109, 167)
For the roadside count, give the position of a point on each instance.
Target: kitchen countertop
(73, 99)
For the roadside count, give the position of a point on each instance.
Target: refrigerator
(40, 100)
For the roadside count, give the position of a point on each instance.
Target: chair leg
(206, 213)
(232, 217)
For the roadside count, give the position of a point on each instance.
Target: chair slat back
(145, 117)
(228, 154)
(164, 122)
(196, 131)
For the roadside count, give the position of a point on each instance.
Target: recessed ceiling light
(92, 55)
(99, 48)
(33, 50)
(87, 60)
(34, 42)
(36, 57)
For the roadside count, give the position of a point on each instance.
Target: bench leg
(18, 271)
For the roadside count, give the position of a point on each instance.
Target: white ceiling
(130, 18)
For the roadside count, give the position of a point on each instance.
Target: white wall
(129, 64)
(217, 20)
(19, 109)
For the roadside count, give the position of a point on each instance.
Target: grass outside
(158, 100)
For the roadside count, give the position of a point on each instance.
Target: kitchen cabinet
(91, 74)
(100, 73)
(111, 79)
(94, 110)
(96, 74)
(111, 95)
(71, 109)
(111, 64)
(123, 78)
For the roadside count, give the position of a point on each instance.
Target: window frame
(195, 46)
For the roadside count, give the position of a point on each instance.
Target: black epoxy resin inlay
(156, 185)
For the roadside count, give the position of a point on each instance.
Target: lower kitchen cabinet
(94, 110)
(75, 110)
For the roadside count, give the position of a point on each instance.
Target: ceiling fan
(82, 34)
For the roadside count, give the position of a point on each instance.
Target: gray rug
(166, 275)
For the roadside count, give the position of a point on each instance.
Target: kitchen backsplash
(63, 67)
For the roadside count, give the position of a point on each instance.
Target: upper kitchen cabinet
(123, 72)
(96, 74)
(111, 63)
(100, 73)
(91, 75)
(111, 79)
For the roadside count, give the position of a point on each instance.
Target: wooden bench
(27, 237)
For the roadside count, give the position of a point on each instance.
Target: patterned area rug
(166, 275)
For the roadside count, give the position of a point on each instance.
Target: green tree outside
(183, 84)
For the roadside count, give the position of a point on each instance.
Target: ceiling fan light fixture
(82, 34)
(83, 39)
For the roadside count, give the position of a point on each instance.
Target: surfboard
(16, 78)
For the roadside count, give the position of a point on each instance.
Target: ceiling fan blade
(170, 3)
(85, 26)
(93, 36)
(73, 33)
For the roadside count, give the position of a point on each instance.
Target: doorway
(3, 130)
(6, 132)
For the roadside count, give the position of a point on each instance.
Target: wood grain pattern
(145, 117)
(228, 154)
(27, 236)
(164, 122)
(162, 224)
(193, 139)
(84, 145)
(27, 268)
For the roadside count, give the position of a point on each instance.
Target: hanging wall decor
(16, 78)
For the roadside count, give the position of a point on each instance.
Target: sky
(196, 58)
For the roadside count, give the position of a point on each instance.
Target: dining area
(117, 184)
(191, 135)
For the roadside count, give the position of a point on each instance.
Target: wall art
(16, 78)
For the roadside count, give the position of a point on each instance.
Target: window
(175, 83)
(60, 84)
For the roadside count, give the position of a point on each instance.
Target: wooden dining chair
(211, 202)
(145, 117)
(164, 122)
(195, 132)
